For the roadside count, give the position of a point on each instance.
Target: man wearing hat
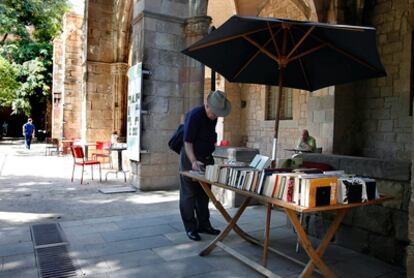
(199, 143)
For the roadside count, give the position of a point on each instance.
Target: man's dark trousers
(28, 140)
(192, 197)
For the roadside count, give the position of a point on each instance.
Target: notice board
(134, 111)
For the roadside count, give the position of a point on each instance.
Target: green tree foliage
(27, 28)
(8, 82)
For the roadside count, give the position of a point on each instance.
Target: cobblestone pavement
(134, 234)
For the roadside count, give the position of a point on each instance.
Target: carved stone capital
(197, 26)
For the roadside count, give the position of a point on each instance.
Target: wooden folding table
(291, 211)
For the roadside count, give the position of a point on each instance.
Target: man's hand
(197, 165)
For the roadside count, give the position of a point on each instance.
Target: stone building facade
(370, 120)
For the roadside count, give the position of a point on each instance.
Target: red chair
(79, 159)
(105, 152)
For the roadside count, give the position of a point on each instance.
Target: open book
(260, 162)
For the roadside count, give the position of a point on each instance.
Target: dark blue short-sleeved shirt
(28, 128)
(201, 132)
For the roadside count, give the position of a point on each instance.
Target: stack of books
(306, 190)
(304, 187)
(241, 177)
(356, 190)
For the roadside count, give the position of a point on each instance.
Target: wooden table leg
(267, 234)
(307, 246)
(227, 230)
(226, 216)
(325, 241)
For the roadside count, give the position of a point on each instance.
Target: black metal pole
(213, 73)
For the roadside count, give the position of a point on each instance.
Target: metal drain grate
(51, 251)
(55, 262)
(47, 234)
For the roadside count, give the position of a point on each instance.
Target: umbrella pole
(282, 65)
(278, 116)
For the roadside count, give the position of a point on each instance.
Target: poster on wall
(134, 111)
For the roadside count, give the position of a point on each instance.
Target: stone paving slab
(124, 261)
(227, 265)
(11, 263)
(11, 249)
(82, 240)
(179, 268)
(125, 246)
(137, 233)
(19, 273)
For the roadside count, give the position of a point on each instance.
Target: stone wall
(232, 123)
(383, 104)
(377, 230)
(99, 102)
(100, 30)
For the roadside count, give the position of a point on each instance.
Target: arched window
(286, 105)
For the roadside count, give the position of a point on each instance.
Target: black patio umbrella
(288, 53)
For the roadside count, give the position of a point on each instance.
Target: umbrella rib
(307, 52)
(262, 49)
(228, 38)
(328, 44)
(250, 60)
(273, 38)
(305, 75)
(300, 41)
(352, 57)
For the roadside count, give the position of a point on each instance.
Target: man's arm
(304, 146)
(23, 130)
(312, 143)
(189, 151)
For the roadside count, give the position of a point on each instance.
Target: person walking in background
(5, 126)
(307, 142)
(28, 132)
(199, 143)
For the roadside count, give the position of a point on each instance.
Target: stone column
(192, 71)
(73, 76)
(410, 232)
(57, 89)
(119, 91)
(159, 33)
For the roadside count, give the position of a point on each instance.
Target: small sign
(134, 111)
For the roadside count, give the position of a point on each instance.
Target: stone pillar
(159, 33)
(119, 91)
(410, 248)
(73, 75)
(57, 88)
(193, 72)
